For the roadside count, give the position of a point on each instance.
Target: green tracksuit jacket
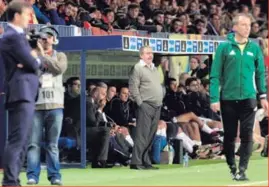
(239, 75)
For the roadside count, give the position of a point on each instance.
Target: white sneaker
(31, 182)
(57, 182)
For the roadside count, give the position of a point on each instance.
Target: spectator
(166, 5)
(255, 29)
(132, 20)
(176, 27)
(141, 19)
(91, 86)
(199, 27)
(182, 78)
(212, 9)
(72, 97)
(193, 8)
(184, 18)
(244, 9)
(65, 17)
(198, 102)
(158, 19)
(111, 93)
(197, 68)
(109, 18)
(214, 25)
(227, 18)
(122, 109)
(257, 15)
(168, 17)
(41, 18)
(32, 19)
(71, 123)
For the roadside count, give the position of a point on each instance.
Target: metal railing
(68, 31)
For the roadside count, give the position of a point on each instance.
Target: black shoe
(100, 164)
(194, 153)
(241, 176)
(233, 172)
(122, 158)
(150, 167)
(137, 167)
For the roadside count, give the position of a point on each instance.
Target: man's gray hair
(142, 49)
(101, 85)
(236, 18)
(94, 92)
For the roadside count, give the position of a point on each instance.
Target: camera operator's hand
(40, 49)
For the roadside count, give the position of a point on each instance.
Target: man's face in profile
(124, 94)
(23, 18)
(102, 94)
(75, 89)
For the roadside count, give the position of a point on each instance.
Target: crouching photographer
(49, 106)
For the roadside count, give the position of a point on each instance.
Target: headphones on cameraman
(51, 30)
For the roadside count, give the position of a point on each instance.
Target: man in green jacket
(238, 69)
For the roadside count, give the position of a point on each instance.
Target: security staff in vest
(238, 69)
(146, 90)
(49, 112)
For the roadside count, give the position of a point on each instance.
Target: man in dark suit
(98, 127)
(22, 82)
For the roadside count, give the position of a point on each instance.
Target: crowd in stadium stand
(186, 114)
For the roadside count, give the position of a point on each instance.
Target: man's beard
(73, 93)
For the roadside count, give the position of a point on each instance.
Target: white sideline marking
(250, 184)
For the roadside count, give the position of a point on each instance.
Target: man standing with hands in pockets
(238, 69)
(146, 89)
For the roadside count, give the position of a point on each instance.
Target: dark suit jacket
(21, 83)
(93, 117)
(121, 112)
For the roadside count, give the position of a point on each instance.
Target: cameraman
(21, 66)
(49, 111)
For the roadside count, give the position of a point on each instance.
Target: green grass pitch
(199, 173)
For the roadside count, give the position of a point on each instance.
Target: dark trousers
(20, 120)
(98, 142)
(146, 127)
(244, 112)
